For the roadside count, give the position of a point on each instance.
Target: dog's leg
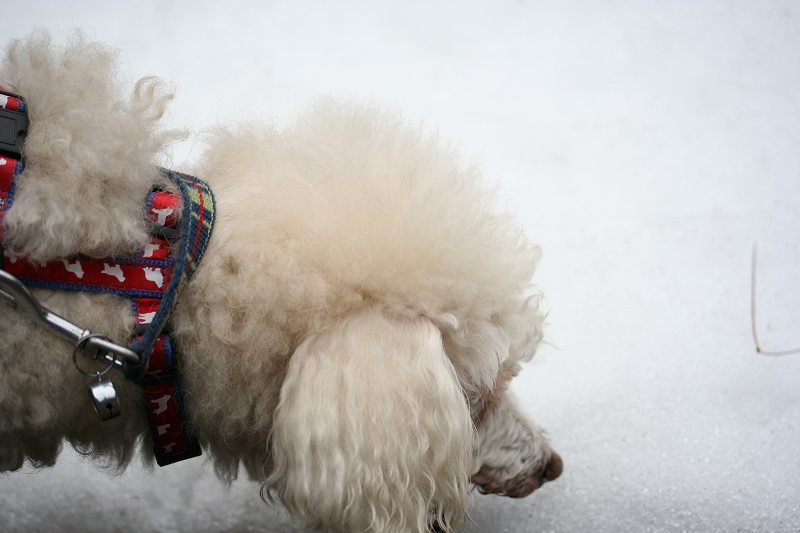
(372, 431)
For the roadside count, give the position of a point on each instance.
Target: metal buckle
(13, 129)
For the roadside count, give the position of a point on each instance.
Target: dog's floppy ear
(372, 431)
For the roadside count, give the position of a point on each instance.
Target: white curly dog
(349, 335)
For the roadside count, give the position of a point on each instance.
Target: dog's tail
(373, 431)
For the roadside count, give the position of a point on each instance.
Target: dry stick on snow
(753, 311)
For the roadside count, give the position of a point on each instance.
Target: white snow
(646, 145)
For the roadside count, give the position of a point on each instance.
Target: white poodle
(349, 335)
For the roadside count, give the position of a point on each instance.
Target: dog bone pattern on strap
(124, 276)
(152, 279)
(166, 416)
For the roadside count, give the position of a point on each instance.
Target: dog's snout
(523, 483)
(554, 467)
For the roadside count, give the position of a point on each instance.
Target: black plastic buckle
(13, 129)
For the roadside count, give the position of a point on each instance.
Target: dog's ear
(372, 431)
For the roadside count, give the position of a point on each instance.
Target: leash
(152, 279)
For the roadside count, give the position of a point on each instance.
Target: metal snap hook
(79, 347)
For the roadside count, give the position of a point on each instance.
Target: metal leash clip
(93, 346)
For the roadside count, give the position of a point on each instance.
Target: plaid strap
(173, 439)
(197, 222)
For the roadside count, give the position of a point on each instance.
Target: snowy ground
(644, 144)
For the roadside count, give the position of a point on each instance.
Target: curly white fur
(89, 150)
(358, 300)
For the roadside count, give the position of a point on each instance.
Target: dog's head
(511, 455)
(376, 430)
(407, 296)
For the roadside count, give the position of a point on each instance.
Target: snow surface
(646, 145)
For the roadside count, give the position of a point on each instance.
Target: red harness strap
(164, 400)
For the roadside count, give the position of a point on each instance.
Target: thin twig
(753, 311)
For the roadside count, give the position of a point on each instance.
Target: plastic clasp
(13, 125)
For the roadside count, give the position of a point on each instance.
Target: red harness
(145, 278)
